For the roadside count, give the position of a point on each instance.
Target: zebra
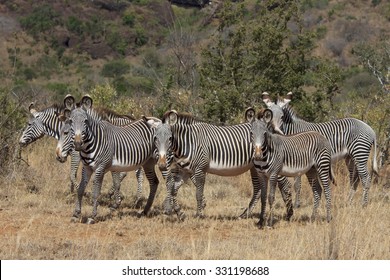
(303, 153)
(199, 148)
(104, 147)
(351, 139)
(47, 122)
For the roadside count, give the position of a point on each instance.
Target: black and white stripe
(104, 147)
(294, 155)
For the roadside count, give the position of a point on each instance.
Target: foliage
(11, 120)
(251, 55)
(115, 68)
(42, 19)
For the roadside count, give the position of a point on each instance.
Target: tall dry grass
(36, 208)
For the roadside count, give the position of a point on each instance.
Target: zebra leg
(198, 179)
(86, 175)
(139, 173)
(74, 166)
(271, 198)
(258, 182)
(317, 191)
(285, 189)
(353, 177)
(97, 185)
(365, 178)
(117, 178)
(153, 183)
(297, 188)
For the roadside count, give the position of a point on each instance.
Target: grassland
(36, 208)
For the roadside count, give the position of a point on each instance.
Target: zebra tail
(374, 161)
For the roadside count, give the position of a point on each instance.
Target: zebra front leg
(74, 166)
(86, 175)
(153, 183)
(258, 182)
(97, 185)
(271, 198)
(285, 189)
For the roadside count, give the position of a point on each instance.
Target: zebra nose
(258, 153)
(162, 162)
(59, 156)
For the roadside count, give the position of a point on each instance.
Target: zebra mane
(108, 114)
(289, 115)
(59, 108)
(182, 118)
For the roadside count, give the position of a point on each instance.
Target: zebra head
(65, 143)
(35, 128)
(259, 130)
(78, 119)
(162, 140)
(277, 110)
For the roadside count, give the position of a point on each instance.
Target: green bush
(128, 19)
(42, 19)
(115, 69)
(75, 25)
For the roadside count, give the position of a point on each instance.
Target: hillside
(64, 45)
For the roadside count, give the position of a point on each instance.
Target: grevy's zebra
(303, 153)
(349, 138)
(47, 122)
(200, 148)
(104, 147)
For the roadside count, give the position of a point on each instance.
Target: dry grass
(36, 208)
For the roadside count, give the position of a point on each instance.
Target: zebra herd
(272, 144)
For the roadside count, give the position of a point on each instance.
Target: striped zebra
(350, 139)
(303, 153)
(47, 122)
(104, 147)
(199, 148)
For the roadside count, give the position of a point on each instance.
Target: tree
(251, 54)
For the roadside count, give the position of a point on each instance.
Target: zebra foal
(304, 153)
(350, 139)
(104, 147)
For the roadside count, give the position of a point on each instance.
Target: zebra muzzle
(59, 157)
(258, 155)
(162, 162)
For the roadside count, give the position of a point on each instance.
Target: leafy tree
(251, 54)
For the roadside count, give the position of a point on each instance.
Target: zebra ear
(69, 101)
(64, 115)
(86, 102)
(151, 122)
(250, 114)
(267, 115)
(32, 110)
(286, 100)
(267, 101)
(172, 118)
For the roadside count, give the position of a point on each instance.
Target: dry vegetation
(36, 208)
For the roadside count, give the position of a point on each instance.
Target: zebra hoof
(90, 221)
(75, 219)
(181, 216)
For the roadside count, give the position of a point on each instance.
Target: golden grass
(36, 208)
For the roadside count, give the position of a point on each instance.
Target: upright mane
(108, 114)
(182, 118)
(288, 114)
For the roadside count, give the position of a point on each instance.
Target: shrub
(115, 68)
(75, 25)
(40, 20)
